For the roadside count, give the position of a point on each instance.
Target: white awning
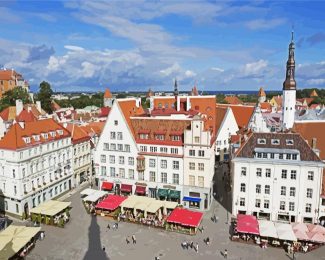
(98, 194)
(87, 192)
(267, 229)
(285, 232)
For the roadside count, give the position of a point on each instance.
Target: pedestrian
(108, 226)
(207, 240)
(197, 247)
(134, 239)
(42, 235)
(127, 240)
(202, 229)
(192, 244)
(225, 254)
(104, 249)
(116, 225)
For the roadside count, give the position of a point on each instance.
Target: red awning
(185, 217)
(107, 185)
(140, 190)
(126, 188)
(247, 224)
(111, 202)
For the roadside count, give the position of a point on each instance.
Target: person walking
(104, 248)
(207, 241)
(116, 225)
(192, 244)
(225, 254)
(108, 226)
(197, 247)
(134, 239)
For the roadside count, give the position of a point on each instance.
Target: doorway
(26, 210)
(69, 184)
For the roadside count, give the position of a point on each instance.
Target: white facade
(35, 174)
(81, 162)
(257, 123)
(288, 108)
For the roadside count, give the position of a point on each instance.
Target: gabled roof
(233, 100)
(306, 153)
(78, 134)
(266, 106)
(26, 116)
(310, 130)
(261, 93)
(107, 93)
(8, 74)
(13, 140)
(93, 128)
(313, 93)
(242, 114)
(278, 100)
(220, 115)
(8, 113)
(104, 111)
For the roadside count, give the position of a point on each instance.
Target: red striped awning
(140, 190)
(126, 188)
(107, 185)
(112, 202)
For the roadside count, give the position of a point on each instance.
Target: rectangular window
(282, 205)
(141, 176)
(106, 146)
(294, 157)
(284, 174)
(308, 208)
(163, 149)
(175, 178)
(268, 173)
(152, 176)
(258, 188)
(144, 136)
(192, 152)
(131, 174)
(119, 136)
(152, 162)
(242, 202)
(120, 147)
(121, 172)
(266, 204)
(111, 159)
(201, 166)
(258, 172)
(174, 150)
(175, 165)
(259, 155)
(281, 156)
(112, 171)
(283, 190)
(243, 171)
(113, 135)
(292, 191)
(265, 155)
(191, 180)
(192, 166)
(267, 189)
(164, 177)
(160, 137)
(196, 139)
(293, 175)
(153, 149)
(163, 164)
(143, 148)
(310, 176)
(288, 156)
(113, 147)
(272, 155)
(175, 138)
(127, 148)
(103, 158)
(131, 161)
(115, 122)
(309, 193)
(121, 159)
(243, 187)
(291, 206)
(103, 170)
(201, 153)
(257, 203)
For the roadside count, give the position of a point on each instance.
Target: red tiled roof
(220, 115)
(26, 116)
(94, 128)
(78, 134)
(13, 140)
(242, 114)
(261, 93)
(314, 106)
(107, 93)
(266, 106)
(8, 113)
(8, 74)
(233, 100)
(104, 111)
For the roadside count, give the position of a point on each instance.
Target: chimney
(39, 106)
(313, 143)
(19, 106)
(29, 109)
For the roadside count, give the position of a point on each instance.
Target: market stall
(92, 199)
(17, 241)
(52, 212)
(87, 192)
(107, 186)
(109, 205)
(285, 232)
(247, 224)
(184, 221)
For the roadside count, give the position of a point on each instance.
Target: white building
(157, 154)
(35, 164)
(277, 176)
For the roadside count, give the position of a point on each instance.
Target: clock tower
(289, 90)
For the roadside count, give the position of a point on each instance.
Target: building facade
(35, 165)
(10, 79)
(277, 176)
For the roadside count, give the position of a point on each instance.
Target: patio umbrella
(300, 226)
(159, 214)
(300, 235)
(316, 237)
(316, 228)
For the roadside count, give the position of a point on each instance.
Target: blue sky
(133, 45)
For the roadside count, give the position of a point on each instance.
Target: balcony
(141, 163)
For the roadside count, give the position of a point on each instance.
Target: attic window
(261, 141)
(289, 142)
(275, 141)
(176, 137)
(160, 137)
(166, 105)
(159, 105)
(36, 137)
(45, 136)
(144, 136)
(60, 132)
(26, 140)
(52, 133)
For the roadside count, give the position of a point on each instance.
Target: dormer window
(160, 137)
(52, 133)
(144, 136)
(176, 137)
(26, 140)
(261, 141)
(45, 135)
(289, 142)
(60, 132)
(36, 138)
(275, 141)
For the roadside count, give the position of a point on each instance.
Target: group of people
(151, 220)
(134, 240)
(190, 245)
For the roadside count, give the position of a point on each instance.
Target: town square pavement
(85, 236)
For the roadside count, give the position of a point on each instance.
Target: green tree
(9, 98)
(44, 95)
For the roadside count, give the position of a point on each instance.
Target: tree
(44, 95)
(9, 97)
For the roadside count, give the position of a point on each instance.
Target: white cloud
(254, 68)
(217, 69)
(73, 48)
(190, 74)
(258, 24)
(316, 81)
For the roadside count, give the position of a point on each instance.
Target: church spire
(290, 82)
(175, 88)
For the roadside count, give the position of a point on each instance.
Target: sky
(135, 45)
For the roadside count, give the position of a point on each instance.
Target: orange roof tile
(314, 93)
(266, 106)
(220, 115)
(165, 102)
(261, 93)
(13, 140)
(8, 113)
(26, 116)
(278, 100)
(55, 106)
(78, 134)
(242, 114)
(107, 93)
(310, 130)
(8, 74)
(233, 100)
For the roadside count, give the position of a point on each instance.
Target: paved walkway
(84, 237)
